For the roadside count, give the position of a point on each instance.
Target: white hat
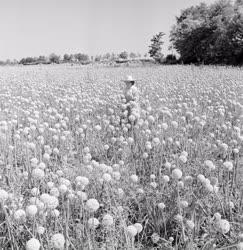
(129, 79)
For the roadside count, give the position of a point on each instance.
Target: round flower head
(223, 226)
(20, 215)
(240, 246)
(166, 178)
(38, 174)
(35, 191)
(139, 227)
(33, 244)
(132, 231)
(55, 213)
(107, 177)
(82, 195)
(31, 210)
(107, 220)
(183, 158)
(209, 164)
(3, 195)
(190, 224)
(92, 205)
(228, 165)
(62, 188)
(93, 223)
(176, 174)
(40, 230)
(54, 192)
(58, 241)
(201, 178)
(134, 178)
(82, 181)
(161, 205)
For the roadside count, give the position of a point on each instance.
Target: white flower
(107, 220)
(3, 195)
(168, 165)
(38, 174)
(62, 188)
(132, 231)
(20, 215)
(93, 223)
(201, 178)
(58, 241)
(228, 165)
(54, 192)
(223, 226)
(82, 195)
(51, 202)
(33, 244)
(107, 177)
(190, 224)
(42, 165)
(176, 174)
(35, 191)
(209, 164)
(31, 210)
(240, 246)
(166, 178)
(55, 213)
(82, 181)
(116, 175)
(139, 227)
(92, 205)
(40, 230)
(178, 218)
(161, 205)
(183, 158)
(134, 178)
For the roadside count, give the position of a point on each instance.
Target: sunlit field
(73, 177)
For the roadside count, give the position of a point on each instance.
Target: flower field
(72, 176)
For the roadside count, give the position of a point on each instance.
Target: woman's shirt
(131, 94)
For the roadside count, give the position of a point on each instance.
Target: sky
(41, 27)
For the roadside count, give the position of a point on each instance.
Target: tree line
(73, 58)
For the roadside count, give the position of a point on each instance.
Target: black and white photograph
(121, 124)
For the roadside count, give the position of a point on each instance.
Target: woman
(131, 95)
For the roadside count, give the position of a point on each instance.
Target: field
(72, 177)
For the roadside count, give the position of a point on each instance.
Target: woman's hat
(129, 79)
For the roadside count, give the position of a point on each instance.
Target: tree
(54, 58)
(67, 58)
(107, 56)
(210, 34)
(81, 57)
(155, 47)
(123, 55)
(97, 58)
(132, 55)
(170, 59)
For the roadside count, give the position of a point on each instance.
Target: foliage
(54, 58)
(67, 58)
(132, 55)
(155, 47)
(210, 34)
(81, 57)
(123, 55)
(170, 59)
